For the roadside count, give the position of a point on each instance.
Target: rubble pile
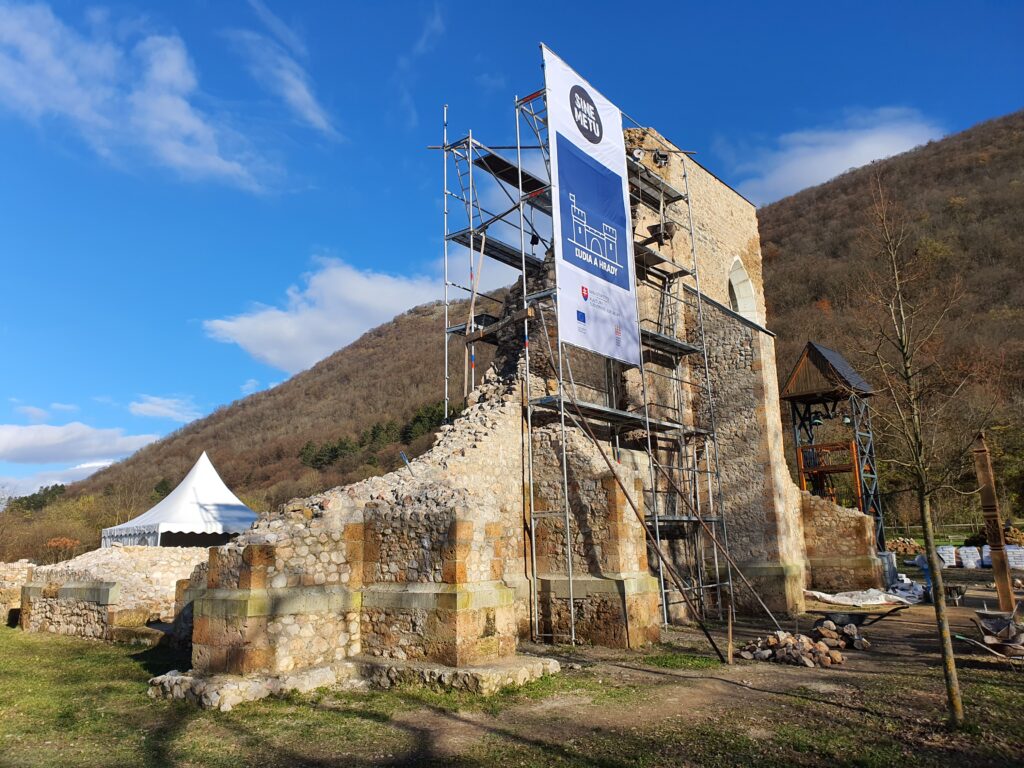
(822, 648)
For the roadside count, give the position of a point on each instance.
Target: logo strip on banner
(597, 307)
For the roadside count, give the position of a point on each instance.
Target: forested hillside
(963, 199)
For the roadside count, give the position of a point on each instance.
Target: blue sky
(199, 199)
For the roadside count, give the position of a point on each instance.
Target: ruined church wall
(762, 512)
(147, 576)
(725, 224)
(390, 566)
(840, 546)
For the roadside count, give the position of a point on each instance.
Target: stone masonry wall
(12, 577)
(147, 575)
(68, 616)
(762, 511)
(840, 546)
(409, 565)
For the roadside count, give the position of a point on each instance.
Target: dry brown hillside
(966, 194)
(383, 377)
(964, 200)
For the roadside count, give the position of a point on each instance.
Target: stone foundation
(224, 692)
(89, 609)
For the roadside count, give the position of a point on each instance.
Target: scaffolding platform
(667, 344)
(615, 417)
(651, 259)
(649, 188)
(535, 192)
(678, 519)
(497, 250)
(481, 320)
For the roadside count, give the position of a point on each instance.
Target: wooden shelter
(824, 386)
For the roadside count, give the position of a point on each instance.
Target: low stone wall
(147, 576)
(840, 546)
(225, 692)
(79, 608)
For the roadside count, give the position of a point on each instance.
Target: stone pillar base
(616, 611)
(246, 631)
(780, 586)
(453, 624)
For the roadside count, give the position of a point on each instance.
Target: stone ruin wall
(410, 565)
(12, 577)
(103, 593)
(764, 509)
(840, 546)
(428, 563)
(615, 597)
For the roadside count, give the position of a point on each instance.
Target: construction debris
(822, 648)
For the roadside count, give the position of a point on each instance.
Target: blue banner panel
(594, 233)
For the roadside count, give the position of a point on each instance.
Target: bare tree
(129, 497)
(909, 309)
(6, 529)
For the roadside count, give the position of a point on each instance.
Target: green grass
(68, 702)
(681, 661)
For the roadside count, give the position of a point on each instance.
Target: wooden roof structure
(822, 375)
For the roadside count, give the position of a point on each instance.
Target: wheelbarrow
(863, 618)
(1001, 634)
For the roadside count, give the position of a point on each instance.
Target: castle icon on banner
(600, 244)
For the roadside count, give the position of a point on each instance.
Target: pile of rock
(822, 648)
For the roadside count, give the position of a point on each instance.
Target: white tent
(201, 504)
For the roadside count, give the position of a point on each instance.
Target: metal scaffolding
(674, 420)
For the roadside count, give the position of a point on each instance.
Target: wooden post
(728, 644)
(993, 522)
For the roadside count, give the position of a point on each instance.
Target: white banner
(592, 230)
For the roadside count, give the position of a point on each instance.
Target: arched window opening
(741, 292)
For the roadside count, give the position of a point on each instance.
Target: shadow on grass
(163, 658)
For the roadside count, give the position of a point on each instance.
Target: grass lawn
(68, 702)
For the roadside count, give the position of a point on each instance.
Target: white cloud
(278, 28)
(432, 30)
(120, 98)
(66, 407)
(174, 130)
(805, 158)
(272, 67)
(22, 486)
(33, 413)
(406, 71)
(180, 409)
(46, 444)
(489, 81)
(337, 304)
(250, 386)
